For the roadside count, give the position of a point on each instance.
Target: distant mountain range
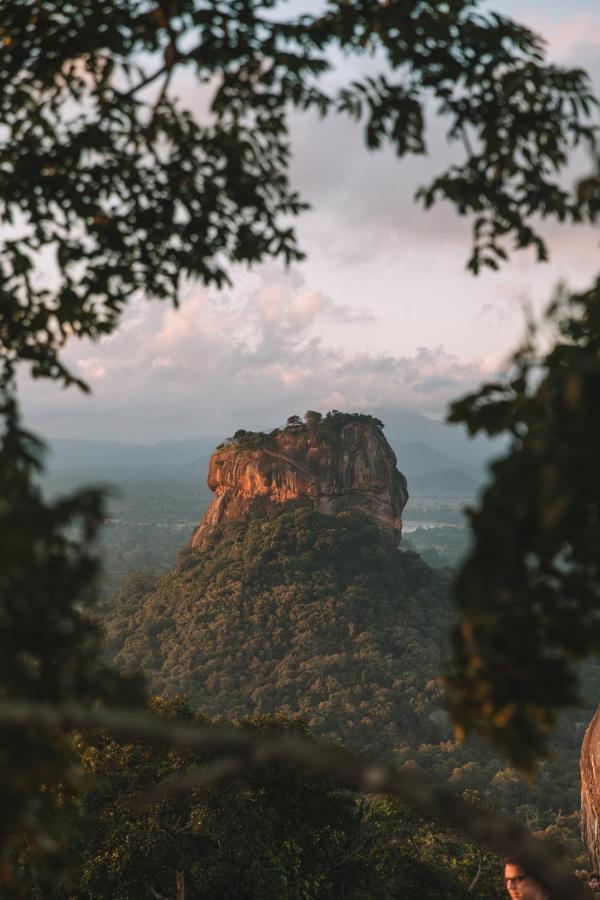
(68, 453)
(417, 459)
(472, 455)
(423, 447)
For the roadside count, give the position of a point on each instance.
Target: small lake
(408, 527)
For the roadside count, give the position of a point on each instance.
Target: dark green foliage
(312, 418)
(314, 616)
(276, 833)
(246, 440)
(106, 171)
(528, 591)
(299, 612)
(49, 647)
(334, 420)
(431, 860)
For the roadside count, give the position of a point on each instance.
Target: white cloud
(211, 367)
(92, 368)
(383, 313)
(286, 306)
(305, 307)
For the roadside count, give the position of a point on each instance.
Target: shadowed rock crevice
(333, 470)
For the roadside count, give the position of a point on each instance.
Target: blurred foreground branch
(244, 749)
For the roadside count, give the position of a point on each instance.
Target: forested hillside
(313, 615)
(303, 613)
(275, 833)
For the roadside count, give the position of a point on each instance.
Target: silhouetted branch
(125, 95)
(247, 749)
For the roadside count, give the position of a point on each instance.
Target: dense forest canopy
(315, 616)
(276, 834)
(301, 612)
(333, 420)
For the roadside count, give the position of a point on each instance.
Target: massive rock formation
(335, 466)
(590, 790)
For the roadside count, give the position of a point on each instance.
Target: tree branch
(477, 877)
(221, 770)
(247, 749)
(125, 95)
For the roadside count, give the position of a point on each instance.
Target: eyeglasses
(516, 879)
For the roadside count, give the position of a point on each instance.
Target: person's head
(521, 886)
(594, 881)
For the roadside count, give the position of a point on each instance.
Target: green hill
(297, 612)
(315, 616)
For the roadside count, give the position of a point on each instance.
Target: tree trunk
(590, 790)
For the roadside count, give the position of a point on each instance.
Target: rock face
(348, 468)
(590, 790)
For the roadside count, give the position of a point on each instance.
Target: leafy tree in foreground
(49, 649)
(110, 188)
(536, 552)
(274, 833)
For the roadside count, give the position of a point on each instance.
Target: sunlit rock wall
(333, 470)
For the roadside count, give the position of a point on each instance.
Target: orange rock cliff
(340, 465)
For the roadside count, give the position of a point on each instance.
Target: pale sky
(383, 312)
